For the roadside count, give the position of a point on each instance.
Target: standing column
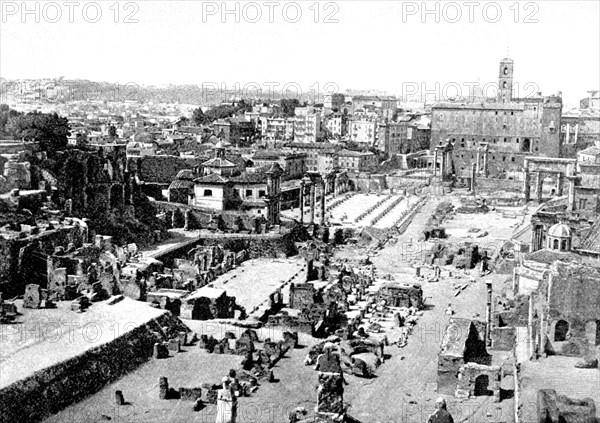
(526, 184)
(442, 165)
(559, 184)
(312, 204)
(478, 161)
(539, 186)
(435, 159)
(302, 188)
(335, 186)
(473, 176)
(571, 203)
(488, 315)
(323, 203)
(485, 161)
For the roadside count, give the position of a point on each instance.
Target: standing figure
(226, 403)
(441, 414)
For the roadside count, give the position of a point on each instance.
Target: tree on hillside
(49, 129)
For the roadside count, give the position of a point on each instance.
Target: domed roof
(560, 230)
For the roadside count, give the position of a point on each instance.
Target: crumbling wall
(553, 408)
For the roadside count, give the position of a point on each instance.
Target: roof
(350, 153)
(206, 292)
(181, 184)
(550, 256)
(591, 242)
(591, 150)
(250, 178)
(213, 178)
(186, 174)
(559, 230)
(218, 162)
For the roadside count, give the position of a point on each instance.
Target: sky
(395, 46)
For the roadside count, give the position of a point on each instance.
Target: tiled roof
(218, 162)
(213, 178)
(181, 184)
(591, 242)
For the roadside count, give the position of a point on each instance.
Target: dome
(560, 230)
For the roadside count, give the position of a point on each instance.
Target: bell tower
(505, 81)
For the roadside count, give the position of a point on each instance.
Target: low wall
(256, 245)
(52, 389)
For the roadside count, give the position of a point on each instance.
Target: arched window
(563, 245)
(555, 244)
(504, 84)
(505, 70)
(560, 331)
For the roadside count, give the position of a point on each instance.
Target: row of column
(312, 200)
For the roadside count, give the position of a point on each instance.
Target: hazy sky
(354, 44)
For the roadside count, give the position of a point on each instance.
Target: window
(262, 193)
(506, 70)
(505, 139)
(582, 203)
(208, 193)
(504, 158)
(248, 193)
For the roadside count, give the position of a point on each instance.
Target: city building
(498, 135)
(356, 161)
(292, 164)
(307, 124)
(364, 132)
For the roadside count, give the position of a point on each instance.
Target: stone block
(174, 345)
(32, 297)
(163, 387)
(161, 350)
(190, 394)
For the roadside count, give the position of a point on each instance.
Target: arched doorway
(482, 383)
(560, 331)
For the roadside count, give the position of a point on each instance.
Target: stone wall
(50, 390)
(24, 254)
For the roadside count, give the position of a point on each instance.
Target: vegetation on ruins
(49, 129)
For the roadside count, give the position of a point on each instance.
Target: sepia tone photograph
(305, 211)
